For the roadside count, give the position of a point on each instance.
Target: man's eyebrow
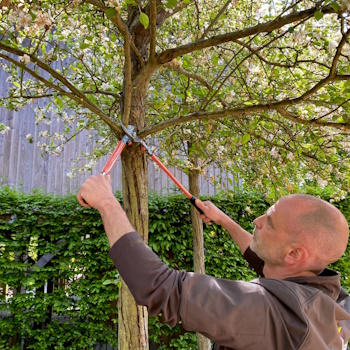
(269, 221)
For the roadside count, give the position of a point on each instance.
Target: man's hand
(211, 213)
(94, 191)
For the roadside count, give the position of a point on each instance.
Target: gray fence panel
(23, 166)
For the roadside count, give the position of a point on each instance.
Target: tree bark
(133, 319)
(198, 246)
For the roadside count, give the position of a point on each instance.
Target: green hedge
(84, 312)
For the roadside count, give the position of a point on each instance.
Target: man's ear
(296, 255)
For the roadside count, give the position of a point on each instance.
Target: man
(298, 305)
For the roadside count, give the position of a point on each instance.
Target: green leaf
(334, 5)
(318, 15)
(59, 103)
(84, 46)
(111, 12)
(15, 83)
(113, 37)
(171, 3)
(107, 282)
(187, 1)
(144, 20)
(245, 139)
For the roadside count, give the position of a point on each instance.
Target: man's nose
(257, 222)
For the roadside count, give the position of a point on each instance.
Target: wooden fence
(23, 166)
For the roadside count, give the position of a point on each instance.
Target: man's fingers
(82, 201)
(203, 207)
(200, 204)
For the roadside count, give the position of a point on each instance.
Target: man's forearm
(242, 237)
(115, 221)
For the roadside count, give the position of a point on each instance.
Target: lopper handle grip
(115, 155)
(193, 202)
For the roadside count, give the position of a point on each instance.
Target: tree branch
(75, 93)
(279, 22)
(284, 146)
(342, 77)
(215, 19)
(239, 113)
(177, 68)
(127, 91)
(153, 30)
(122, 27)
(312, 122)
(332, 72)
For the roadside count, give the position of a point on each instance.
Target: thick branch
(153, 29)
(239, 113)
(168, 55)
(342, 77)
(128, 83)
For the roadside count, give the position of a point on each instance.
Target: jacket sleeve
(232, 313)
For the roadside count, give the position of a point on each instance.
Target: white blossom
(309, 176)
(12, 17)
(25, 58)
(4, 129)
(70, 174)
(24, 19)
(290, 156)
(332, 45)
(65, 33)
(42, 20)
(106, 86)
(44, 134)
(42, 146)
(321, 182)
(274, 152)
(248, 210)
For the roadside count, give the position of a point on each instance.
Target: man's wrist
(107, 204)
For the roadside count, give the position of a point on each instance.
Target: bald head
(319, 225)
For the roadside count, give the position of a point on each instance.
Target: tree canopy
(269, 79)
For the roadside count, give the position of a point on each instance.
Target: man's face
(269, 236)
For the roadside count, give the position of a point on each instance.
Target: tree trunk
(198, 246)
(133, 319)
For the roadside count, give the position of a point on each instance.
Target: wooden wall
(23, 166)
